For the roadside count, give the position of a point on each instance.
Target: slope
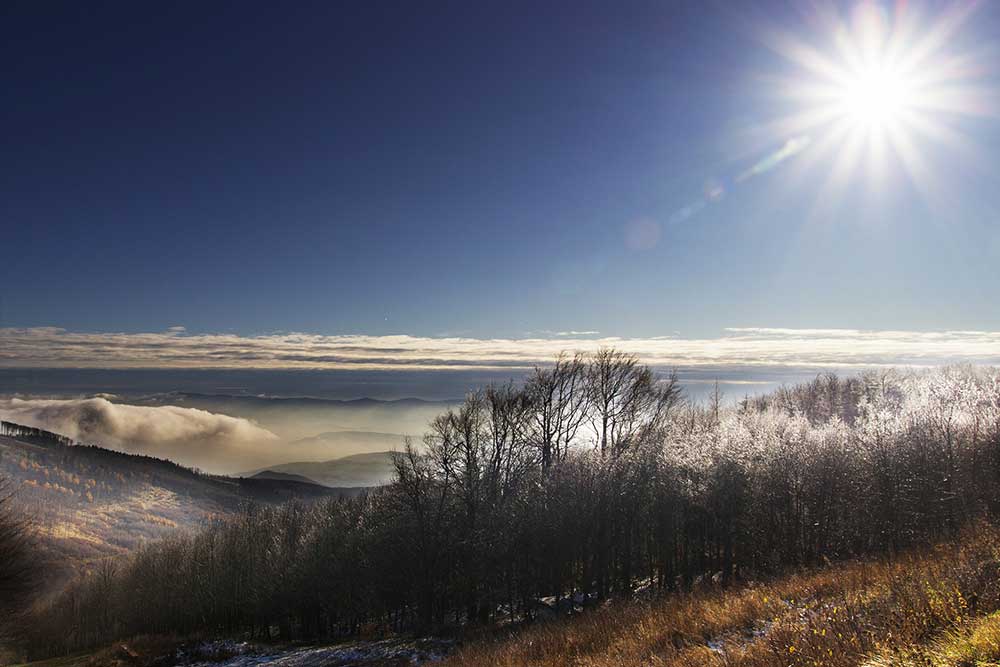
(89, 502)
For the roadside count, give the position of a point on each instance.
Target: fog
(189, 436)
(229, 422)
(223, 434)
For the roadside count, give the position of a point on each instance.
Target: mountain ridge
(364, 469)
(88, 502)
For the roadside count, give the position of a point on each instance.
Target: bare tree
(627, 402)
(20, 576)
(559, 405)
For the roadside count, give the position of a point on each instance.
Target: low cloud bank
(737, 347)
(189, 436)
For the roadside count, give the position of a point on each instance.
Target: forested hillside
(88, 503)
(594, 480)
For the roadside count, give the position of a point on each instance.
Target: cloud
(189, 436)
(737, 347)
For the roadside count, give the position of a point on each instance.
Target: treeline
(32, 434)
(592, 479)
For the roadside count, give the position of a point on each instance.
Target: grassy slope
(975, 645)
(920, 609)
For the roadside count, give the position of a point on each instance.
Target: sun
(878, 89)
(877, 97)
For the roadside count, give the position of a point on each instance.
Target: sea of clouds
(189, 436)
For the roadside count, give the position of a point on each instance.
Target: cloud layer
(743, 347)
(189, 436)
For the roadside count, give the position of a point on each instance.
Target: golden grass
(972, 644)
(852, 614)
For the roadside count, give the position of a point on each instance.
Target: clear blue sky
(461, 168)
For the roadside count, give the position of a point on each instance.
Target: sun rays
(880, 92)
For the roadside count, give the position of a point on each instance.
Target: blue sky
(482, 170)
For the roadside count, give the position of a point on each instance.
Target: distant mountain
(370, 440)
(284, 476)
(371, 469)
(89, 502)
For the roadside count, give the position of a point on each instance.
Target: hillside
(283, 476)
(925, 608)
(91, 502)
(485, 529)
(929, 607)
(372, 469)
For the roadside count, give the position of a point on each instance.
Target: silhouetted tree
(20, 573)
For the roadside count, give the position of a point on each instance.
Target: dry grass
(852, 614)
(972, 644)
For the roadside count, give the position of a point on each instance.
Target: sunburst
(877, 90)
